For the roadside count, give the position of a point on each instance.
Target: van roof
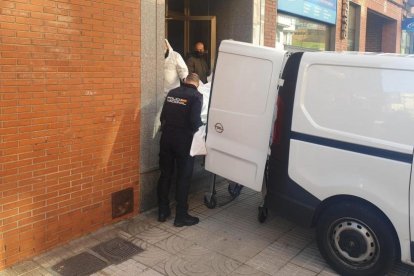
(370, 53)
(367, 60)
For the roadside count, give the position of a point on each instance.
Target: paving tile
(298, 237)
(227, 239)
(278, 222)
(212, 224)
(195, 252)
(293, 270)
(246, 270)
(249, 227)
(183, 267)
(206, 211)
(40, 271)
(197, 260)
(82, 244)
(140, 243)
(23, 267)
(154, 235)
(174, 244)
(52, 257)
(152, 255)
(273, 258)
(169, 226)
(220, 264)
(138, 225)
(108, 233)
(150, 272)
(327, 271)
(129, 267)
(237, 247)
(194, 233)
(310, 258)
(26, 268)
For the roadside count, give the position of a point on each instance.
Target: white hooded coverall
(175, 69)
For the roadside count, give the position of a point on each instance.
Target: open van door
(241, 110)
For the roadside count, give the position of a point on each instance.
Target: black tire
(210, 203)
(356, 239)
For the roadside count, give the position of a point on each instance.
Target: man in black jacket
(180, 119)
(197, 63)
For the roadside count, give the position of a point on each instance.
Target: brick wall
(390, 33)
(270, 23)
(69, 118)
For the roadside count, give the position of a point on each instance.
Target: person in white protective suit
(175, 69)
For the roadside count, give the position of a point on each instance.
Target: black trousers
(175, 147)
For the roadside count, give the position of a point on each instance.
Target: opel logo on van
(219, 127)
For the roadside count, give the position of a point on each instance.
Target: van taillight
(277, 129)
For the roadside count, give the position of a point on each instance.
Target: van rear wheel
(355, 239)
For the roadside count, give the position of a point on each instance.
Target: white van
(341, 150)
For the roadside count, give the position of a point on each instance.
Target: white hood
(170, 49)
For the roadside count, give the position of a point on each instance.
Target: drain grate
(117, 250)
(80, 265)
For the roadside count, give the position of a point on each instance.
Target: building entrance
(381, 34)
(186, 23)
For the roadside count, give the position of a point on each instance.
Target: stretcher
(211, 197)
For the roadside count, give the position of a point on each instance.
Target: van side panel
(353, 134)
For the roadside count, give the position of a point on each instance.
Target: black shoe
(185, 220)
(162, 216)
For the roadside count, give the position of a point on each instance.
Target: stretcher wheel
(262, 216)
(234, 189)
(210, 201)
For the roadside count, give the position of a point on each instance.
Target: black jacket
(182, 109)
(199, 66)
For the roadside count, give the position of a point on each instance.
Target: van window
(240, 95)
(369, 102)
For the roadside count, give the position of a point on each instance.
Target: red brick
(52, 54)
(9, 213)
(11, 222)
(28, 7)
(8, 4)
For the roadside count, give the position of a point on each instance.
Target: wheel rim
(354, 243)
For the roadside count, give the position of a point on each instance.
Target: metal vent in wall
(122, 202)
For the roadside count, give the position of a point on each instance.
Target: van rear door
(241, 111)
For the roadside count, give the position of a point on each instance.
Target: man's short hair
(193, 77)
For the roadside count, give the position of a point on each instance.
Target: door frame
(187, 21)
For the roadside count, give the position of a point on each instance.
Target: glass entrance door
(184, 31)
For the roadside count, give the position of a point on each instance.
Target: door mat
(117, 250)
(82, 264)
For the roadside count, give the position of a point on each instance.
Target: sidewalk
(228, 241)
